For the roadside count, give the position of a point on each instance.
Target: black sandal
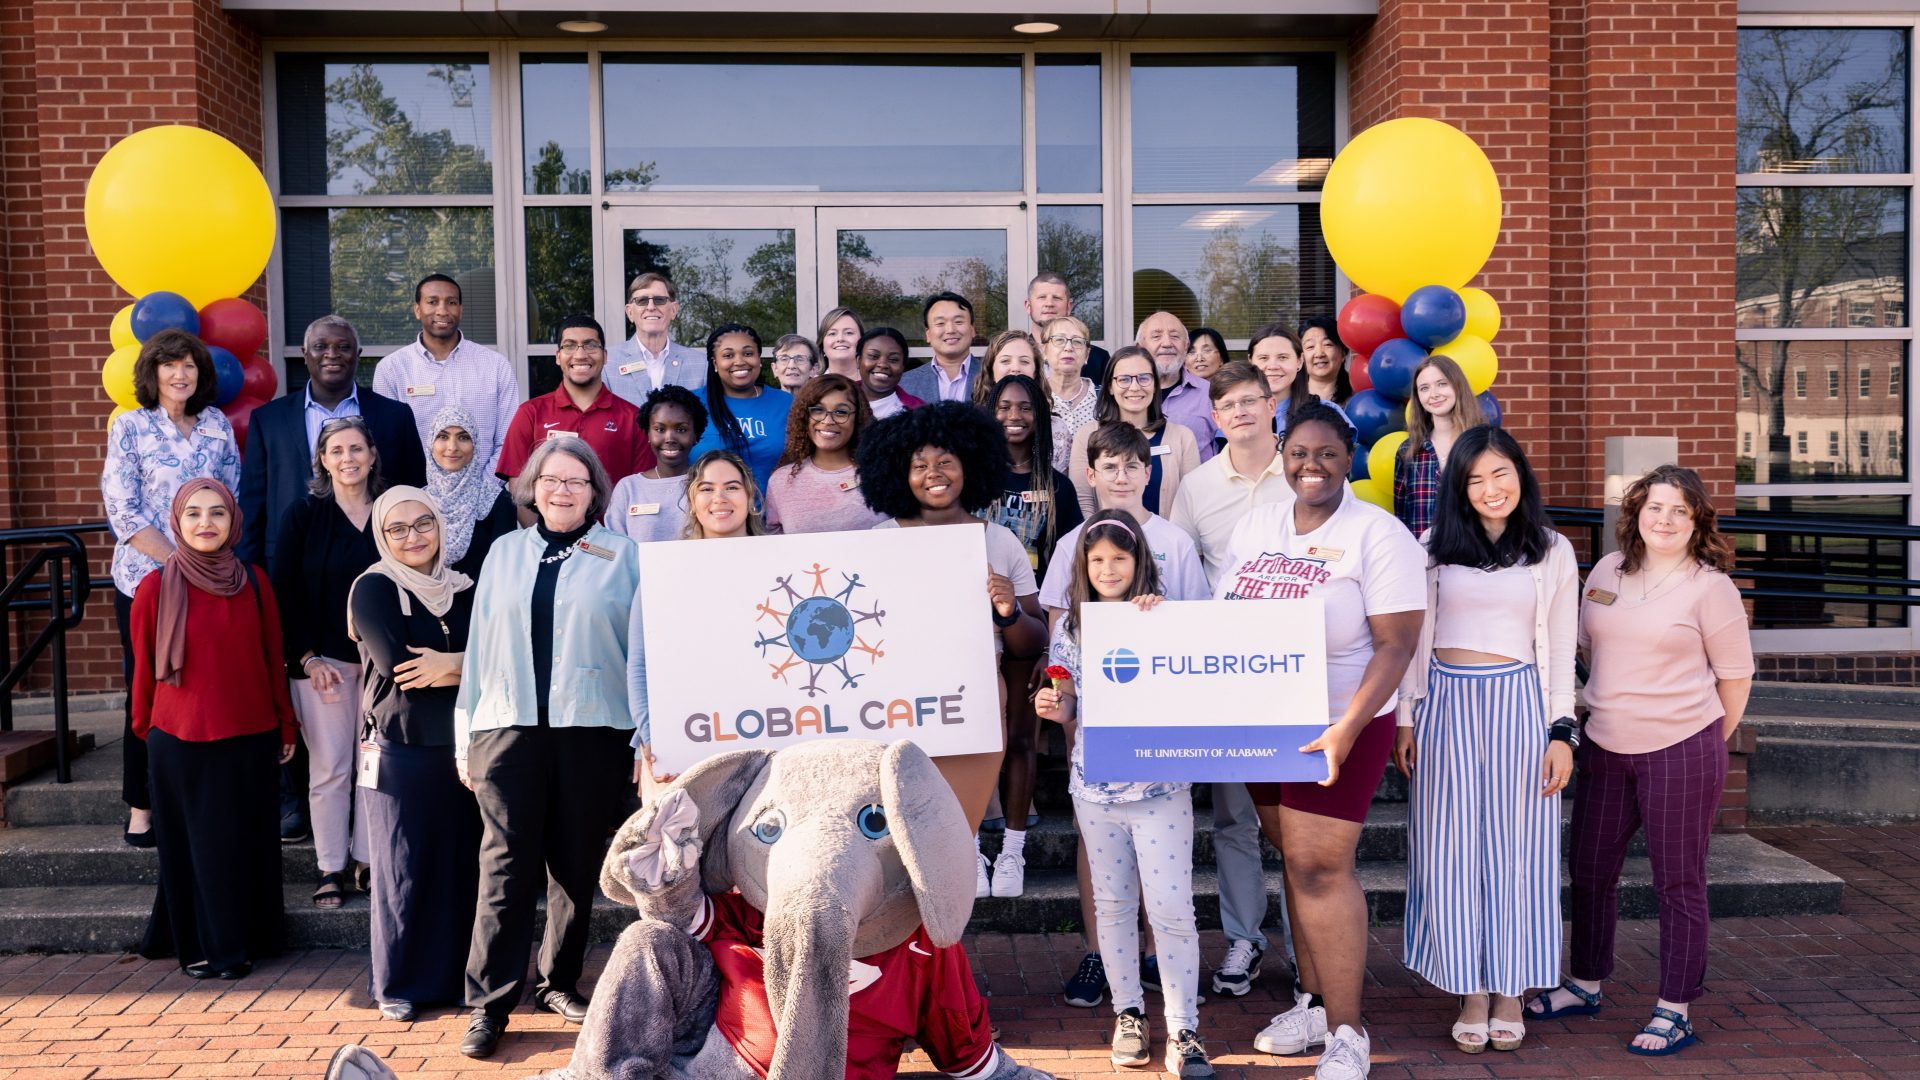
(332, 891)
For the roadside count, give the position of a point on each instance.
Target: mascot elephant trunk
(820, 883)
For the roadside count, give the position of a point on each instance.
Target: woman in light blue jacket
(541, 730)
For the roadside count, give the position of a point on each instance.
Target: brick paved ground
(1833, 997)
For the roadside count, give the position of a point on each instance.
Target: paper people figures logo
(817, 630)
(1120, 665)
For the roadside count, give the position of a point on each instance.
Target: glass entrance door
(883, 262)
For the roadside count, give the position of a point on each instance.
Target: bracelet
(309, 660)
(1564, 730)
(1009, 620)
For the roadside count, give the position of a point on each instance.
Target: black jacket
(415, 717)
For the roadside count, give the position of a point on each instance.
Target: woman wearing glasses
(1131, 395)
(540, 733)
(410, 612)
(815, 488)
(795, 362)
(1073, 399)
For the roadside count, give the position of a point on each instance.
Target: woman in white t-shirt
(941, 465)
(1362, 562)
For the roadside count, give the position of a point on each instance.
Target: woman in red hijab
(210, 699)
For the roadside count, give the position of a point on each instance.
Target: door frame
(611, 247)
(1010, 219)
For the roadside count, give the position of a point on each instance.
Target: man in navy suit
(949, 376)
(278, 466)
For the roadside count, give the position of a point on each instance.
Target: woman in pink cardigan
(1671, 665)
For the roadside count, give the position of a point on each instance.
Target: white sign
(779, 640)
(1203, 690)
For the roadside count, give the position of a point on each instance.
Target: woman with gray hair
(540, 733)
(325, 541)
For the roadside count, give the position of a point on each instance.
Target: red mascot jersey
(913, 990)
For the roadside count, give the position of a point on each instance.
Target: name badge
(1162, 451)
(1602, 597)
(637, 365)
(643, 509)
(849, 485)
(368, 774)
(420, 390)
(597, 552)
(211, 433)
(562, 433)
(1328, 553)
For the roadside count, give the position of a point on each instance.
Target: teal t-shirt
(762, 420)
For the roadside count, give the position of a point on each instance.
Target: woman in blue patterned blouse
(176, 435)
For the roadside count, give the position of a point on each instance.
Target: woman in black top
(410, 615)
(326, 540)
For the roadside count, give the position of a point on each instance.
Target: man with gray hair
(1183, 395)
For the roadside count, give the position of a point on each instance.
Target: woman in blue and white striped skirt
(1495, 662)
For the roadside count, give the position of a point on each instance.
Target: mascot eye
(872, 820)
(770, 826)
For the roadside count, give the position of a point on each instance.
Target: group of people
(428, 590)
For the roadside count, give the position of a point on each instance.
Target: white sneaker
(1009, 875)
(982, 883)
(1348, 1056)
(1293, 1031)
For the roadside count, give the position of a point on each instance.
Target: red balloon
(1357, 372)
(260, 380)
(1366, 321)
(239, 413)
(234, 325)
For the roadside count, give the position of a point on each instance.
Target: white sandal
(1506, 1034)
(1461, 1044)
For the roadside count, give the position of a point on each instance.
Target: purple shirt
(1186, 402)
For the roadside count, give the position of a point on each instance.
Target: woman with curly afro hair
(941, 465)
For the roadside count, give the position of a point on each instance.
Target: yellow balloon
(1476, 359)
(1380, 460)
(180, 209)
(116, 414)
(1371, 490)
(1483, 314)
(117, 376)
(1410, 202)
(122, 329)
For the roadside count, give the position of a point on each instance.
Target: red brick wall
(1610, 123)
(75, 78)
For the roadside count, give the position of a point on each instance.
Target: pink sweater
(1654, 665)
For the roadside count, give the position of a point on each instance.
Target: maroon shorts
(1351, 795)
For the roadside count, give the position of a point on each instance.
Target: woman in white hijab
(410, 612)
(473, 502)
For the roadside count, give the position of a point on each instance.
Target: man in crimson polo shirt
(583, 407)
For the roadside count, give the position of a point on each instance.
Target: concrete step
(1808, 768)
(93, 798)
(1747, 878)
(1770, 696)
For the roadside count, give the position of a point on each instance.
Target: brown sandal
(332, 891)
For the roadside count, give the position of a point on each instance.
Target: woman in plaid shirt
(1443, 406)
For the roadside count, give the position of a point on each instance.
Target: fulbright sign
(878, 635)
(1210, 690)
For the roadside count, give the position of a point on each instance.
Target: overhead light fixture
(1035, 27)
(583, 26)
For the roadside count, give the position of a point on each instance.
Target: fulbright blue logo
(1120, 665)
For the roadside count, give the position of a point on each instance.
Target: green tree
(1248, 281)
(1075, 254)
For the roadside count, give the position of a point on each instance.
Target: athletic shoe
(1187, 1055)
(1009, 875)
(1236, 973)
(1293, 1031)
(1088, 987)
(1348, 1056)
(982, 881)
(1130, 1038)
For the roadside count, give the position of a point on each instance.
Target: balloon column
(182, 219)
(1411, 210)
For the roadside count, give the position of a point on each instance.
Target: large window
(1824, 259)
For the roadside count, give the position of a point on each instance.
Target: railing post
(62, 766)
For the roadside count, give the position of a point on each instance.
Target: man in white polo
(1211, 501)
(651, 359)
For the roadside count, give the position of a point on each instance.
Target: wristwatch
(1566, 731)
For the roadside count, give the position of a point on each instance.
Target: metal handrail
(60, 554)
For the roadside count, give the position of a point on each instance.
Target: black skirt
(423, 832)
(216, 819)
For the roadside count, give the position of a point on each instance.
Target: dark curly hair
(968, 433)
(1317, 411)
(800, 433)
(1709, 547)
(680, 398)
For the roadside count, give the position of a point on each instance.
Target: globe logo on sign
(1120, 665)
(817, 629)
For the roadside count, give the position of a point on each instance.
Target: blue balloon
(1392, 365)
(159, 311)
(228, 375)
(1489, 407)
(1433, 315)
(1375, 414)
(1359, 470)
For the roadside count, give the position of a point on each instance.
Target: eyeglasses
(587, 347)
(397, 533)
(1066, 341)
(1114, 469)
(793, 358)
(649, 301)
(1228, 408)
(840, 415)
(1133, 380)
(555, 483)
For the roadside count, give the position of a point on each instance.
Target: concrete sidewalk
(1833, 996)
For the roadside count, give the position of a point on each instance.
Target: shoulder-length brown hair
(1710, 547)
(174, 345)
(1466, 407)
(799, 449)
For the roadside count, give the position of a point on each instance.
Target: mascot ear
(930, 831)
(715, 786)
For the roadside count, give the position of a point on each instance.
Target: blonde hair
(756, 520)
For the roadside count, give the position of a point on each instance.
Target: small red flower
(1059, 674)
